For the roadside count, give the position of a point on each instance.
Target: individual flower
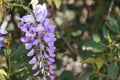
(27, 18)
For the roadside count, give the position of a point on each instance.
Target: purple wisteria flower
(39, 38)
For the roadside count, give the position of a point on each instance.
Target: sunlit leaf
(3, 62)
(99, 62)
(2, 77)
(96, 37)
(1, 13)
(2, 72)
(49, 2)
(57, 3)
(89, 60)
(8, 0)
(0, 1)
(93, 46)
(34, 3)
(74, 34)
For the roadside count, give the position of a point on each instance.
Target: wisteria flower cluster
(39, 37)
(2, 38)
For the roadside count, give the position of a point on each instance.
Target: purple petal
(51, 35)
(23, 29)
(40, 9)
(28, 45)
(51, 49)
(17, 17)
(51, 52)
(51, 71)
(24, 39)
(52, 67)
(46, 55)
(34, 67)
(52, 77)
(49, 63)
(40, 17)
(35, 74)
(51, 59)
(47, 39)
(38, 57)
(46, 22)
(38, 77)
(40, 34)
(28, 18)
(28, 34)
(52, 55)
(2, 31)
(31, 53)
(50, 28)
(32, 61)
(39, 28)
(35, 42)
(2, 38)
(50, 44)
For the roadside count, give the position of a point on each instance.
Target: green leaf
(7, 1)
(1, 1)
(2, 77)
(99, 62)
(57, 3)
(105, 32)
(3, 72)
(113, 25)
(3, 62)
(89, 60)
(49, 2)
(96, 37)
(74, 34)
(113, 70)
(85, 75)
(1, 13)
(93, 46)
(67, 75)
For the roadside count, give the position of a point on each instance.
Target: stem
(41, 55)
(101, 74)
(110, 9)
(24, 7)
(8, 59)
(9, 62)
(41, 49)
(66, 41)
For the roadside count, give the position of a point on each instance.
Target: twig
(110, 9)
(65, 39)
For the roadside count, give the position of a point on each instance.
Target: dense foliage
(87, 36)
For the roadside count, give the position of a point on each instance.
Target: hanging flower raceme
(2, 38)
(39, 38)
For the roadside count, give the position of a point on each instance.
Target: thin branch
(65, 39)
(110, 9)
